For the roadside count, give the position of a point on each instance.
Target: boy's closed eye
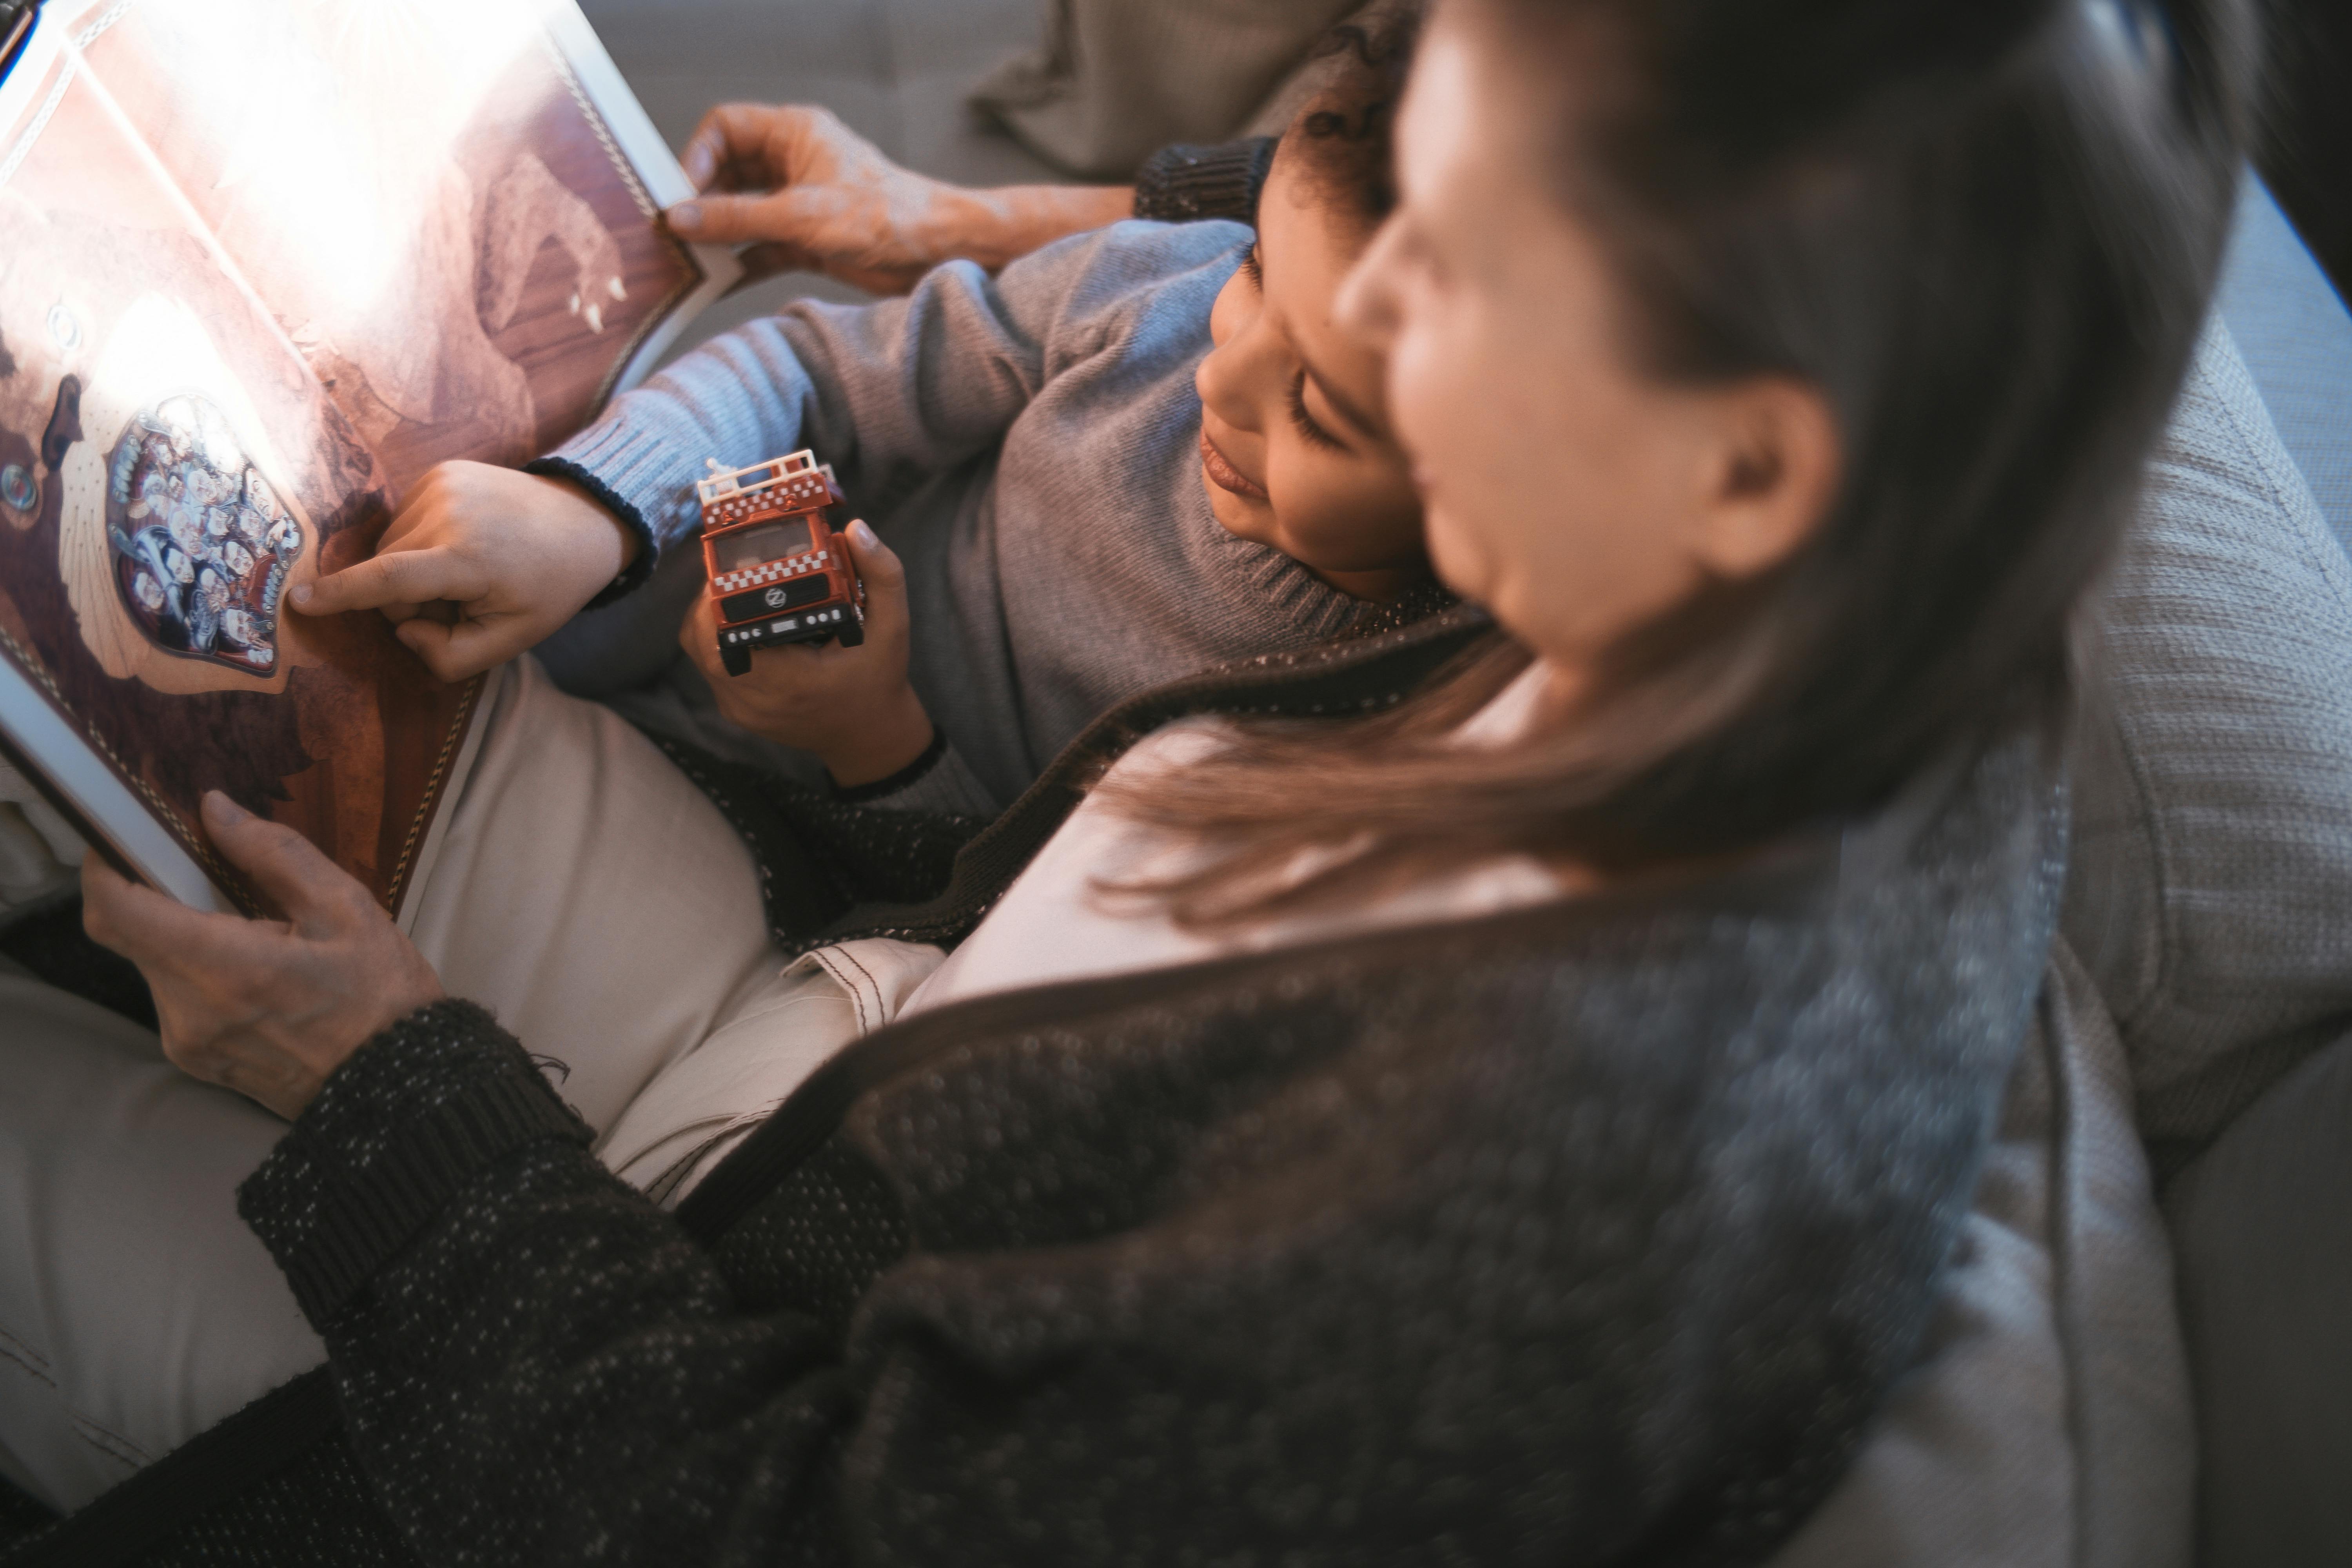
(1312, 428)
(1307, 422)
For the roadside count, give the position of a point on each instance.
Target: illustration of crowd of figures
(220, 371)
(200, 546)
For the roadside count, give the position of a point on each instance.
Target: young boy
(1073, 502)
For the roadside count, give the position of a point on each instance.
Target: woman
(1524, 1126)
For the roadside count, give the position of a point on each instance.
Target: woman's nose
(1366, 307)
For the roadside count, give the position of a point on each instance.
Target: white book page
(94, 800)
(655, 166)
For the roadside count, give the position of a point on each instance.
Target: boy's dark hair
(1346, 138)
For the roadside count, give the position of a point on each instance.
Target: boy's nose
(1214, 382)
(1237, 376)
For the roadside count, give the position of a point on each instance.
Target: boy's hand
(482, 563)
(851, 706)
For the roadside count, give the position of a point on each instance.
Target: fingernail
(228, 810)
(698, 163)
(863, 534)
(301, 593)
(685, 215)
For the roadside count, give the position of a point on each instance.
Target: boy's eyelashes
(1305, 423)
(1314, 434)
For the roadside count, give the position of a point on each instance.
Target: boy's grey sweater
(1028, 444)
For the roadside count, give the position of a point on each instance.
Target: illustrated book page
(262, 264)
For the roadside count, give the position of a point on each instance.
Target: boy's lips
(1224, 475)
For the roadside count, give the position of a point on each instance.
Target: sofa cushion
(2210, 889)
(2260, 1223)
(2046, 1419)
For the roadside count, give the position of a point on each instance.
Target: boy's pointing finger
(401, 577)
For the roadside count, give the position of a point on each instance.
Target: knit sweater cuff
(399, 1127)
(946, 784)
(906, 778)
(637, 454)
(633, 576)
(1184, 184)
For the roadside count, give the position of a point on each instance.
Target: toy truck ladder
(795, 483)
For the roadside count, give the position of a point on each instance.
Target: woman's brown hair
(1986, 231)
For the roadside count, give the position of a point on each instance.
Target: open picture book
(262, 264)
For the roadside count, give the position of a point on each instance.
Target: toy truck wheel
(736, 658)
(853, 630)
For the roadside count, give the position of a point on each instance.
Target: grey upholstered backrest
(2210, 892)
(2296, 336)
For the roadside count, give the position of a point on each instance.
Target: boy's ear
(1772, 479)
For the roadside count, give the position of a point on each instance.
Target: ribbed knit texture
(398, 1129)
(905, 779)
(1030, 446)
(1185, 183)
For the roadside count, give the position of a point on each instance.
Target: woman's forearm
(1000, 225)
(533, 1363)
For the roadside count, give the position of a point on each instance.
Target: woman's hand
(267, 1008)
(808, 194)
(852, 706)
(483, 563)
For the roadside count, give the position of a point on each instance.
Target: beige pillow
(1119, 80)
(2210, 893)
(2047, 1419)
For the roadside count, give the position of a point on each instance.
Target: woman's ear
(1771, 478)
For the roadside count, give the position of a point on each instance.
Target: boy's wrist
(888, 742)
(633, 562)
(622, 536)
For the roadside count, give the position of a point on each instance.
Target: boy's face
(1295, 446)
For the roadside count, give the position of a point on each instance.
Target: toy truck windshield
(761, 543)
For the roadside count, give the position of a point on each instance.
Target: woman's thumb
(712, 219)
(787, 217)
(289, 869)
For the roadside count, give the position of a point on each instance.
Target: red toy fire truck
(780, 573)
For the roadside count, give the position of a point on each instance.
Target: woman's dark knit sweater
(1592, 1233)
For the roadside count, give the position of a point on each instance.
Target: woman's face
(1565, 488)
(1295, 451)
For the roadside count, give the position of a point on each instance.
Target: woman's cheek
(1437, 410)
(1434, 397)
(1458, 555)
